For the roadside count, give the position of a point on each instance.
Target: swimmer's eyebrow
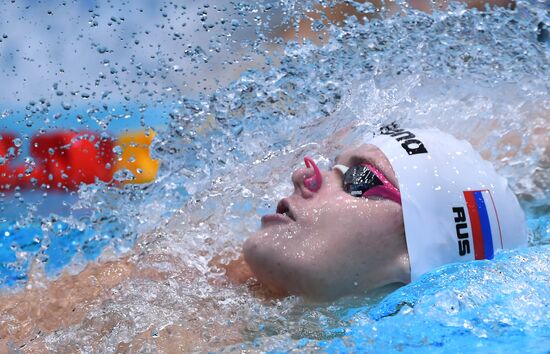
(375, 160)
(353, 159)
(357, 158)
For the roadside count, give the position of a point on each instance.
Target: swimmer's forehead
(367, 153)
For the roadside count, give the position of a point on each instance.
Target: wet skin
(331, 245)
(327, 244)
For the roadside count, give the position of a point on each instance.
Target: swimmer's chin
(277, 271)
(256, 261)
(283, 275)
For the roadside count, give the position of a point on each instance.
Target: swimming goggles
(363, 180)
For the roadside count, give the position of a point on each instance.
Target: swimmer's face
(328, 243)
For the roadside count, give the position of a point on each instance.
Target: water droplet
(117, 150)
(17, 142)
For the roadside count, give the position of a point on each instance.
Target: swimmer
(387, 212)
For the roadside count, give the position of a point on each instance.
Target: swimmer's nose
(309, 178)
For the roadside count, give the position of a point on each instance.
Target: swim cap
(455, 206)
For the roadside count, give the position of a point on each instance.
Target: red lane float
(10, 176)
(8, 151)
(69, 158)
(65, 159)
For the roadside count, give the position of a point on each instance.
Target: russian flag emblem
(484, 223)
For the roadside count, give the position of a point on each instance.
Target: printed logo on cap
(455, 206)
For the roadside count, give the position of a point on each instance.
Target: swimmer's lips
(284, 215)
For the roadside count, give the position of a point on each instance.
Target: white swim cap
(455, 206)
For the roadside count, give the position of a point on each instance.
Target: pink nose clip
(314, 182)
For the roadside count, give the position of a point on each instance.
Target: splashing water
(227, 157)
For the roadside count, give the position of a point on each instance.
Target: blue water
(483, 307)
(227, 154)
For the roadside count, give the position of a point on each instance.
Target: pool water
(228, 147)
